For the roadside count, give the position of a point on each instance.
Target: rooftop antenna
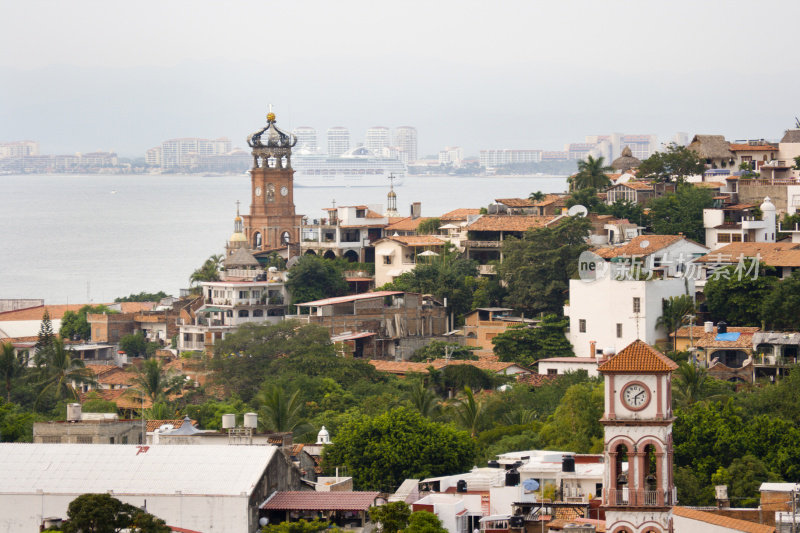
(797, 123)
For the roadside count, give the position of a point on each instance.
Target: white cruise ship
(358, 167)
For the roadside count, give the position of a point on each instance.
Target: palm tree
(423, 399)
(209, 271)
(673, 311)
(62, 372)
(12, 365)
(469, 412)
(537, 196)
(690, 384)
(591, 174)
(280, 412)
(153, 382)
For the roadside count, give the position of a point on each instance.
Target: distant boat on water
(358, 167)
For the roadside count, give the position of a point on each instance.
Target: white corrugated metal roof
(131, 469)
(779, 487)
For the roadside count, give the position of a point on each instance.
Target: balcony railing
(640, 498)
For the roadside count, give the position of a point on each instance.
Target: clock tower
(272, 223)
(639, 491)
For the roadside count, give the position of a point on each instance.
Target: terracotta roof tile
(459, 214)
(321, 501)
(509, 222)
(152, 425)
(406, 224)
(121, 377)
(124, 398)
(709, 340)
(551, 199)
(752, 148)
(419, 240)
(537, 380)
(636, 185)
(100, 370)
(720, 520)
(373, 214)
(638, 357)
(776, 254)
(515, 202)
(35, 313)
(640, 246)
(404, 367)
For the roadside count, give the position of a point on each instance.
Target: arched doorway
(310, 252)
(329, 255)
(351, 255)
(257, 240)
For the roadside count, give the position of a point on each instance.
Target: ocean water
(91, 238)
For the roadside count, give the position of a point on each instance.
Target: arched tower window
(257, 240)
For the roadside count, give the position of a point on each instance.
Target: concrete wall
(122, 432)
(751, 193)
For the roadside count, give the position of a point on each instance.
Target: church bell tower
(638, 488)
(272, 223)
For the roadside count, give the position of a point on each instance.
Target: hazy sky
(102, 75)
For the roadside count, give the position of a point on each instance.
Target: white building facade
(338, 141)
(607, 313)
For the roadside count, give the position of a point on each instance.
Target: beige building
(397, 254)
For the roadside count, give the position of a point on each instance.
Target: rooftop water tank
(251, 420)
(73, 412)
(228, 421)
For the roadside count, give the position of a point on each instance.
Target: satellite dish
(577, 211)
(530, 485)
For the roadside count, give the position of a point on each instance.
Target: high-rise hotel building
(306, 138)
(338, 141)
(176, 153)
(377, 139)
(405, 138)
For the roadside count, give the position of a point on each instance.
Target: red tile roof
(418, 240)
(639, 246)
(777, 254)
(745, 340)
(57, 311)
(509, 222)
(404, 367)
(459, 214)
(723, 521)
(537, 380)
(515, 202)
(638, 357)
(752, 148)
(636, 185)
(406, 224)
(321, 501)
(152, 425)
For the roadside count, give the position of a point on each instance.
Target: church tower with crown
(272, 224)
(638, 487)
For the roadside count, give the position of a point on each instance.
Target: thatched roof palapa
(626, 161)
(711, 147)
(791, 136)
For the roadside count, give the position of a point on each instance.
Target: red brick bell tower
(272, 223)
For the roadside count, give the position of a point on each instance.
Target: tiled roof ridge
(638, 357)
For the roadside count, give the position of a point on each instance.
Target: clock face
(258, 191)
(284, 191)
(636, 396)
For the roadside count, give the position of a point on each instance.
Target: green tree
(16, 423)
(681, 212)
(675, 163)
(444, 276)
(392, 517)
(280, 411)
(736, 295)
(424, 522)
(468, 412)
(422, 398)
(587, 198)
(743, 477)
(314, 278)
(143, 297)
(591, 173)
(537, 196)
(300, 526)
(154, 382)
(136, 345)
(632, 211)
(689, 384)
(44, 340)
(779, 307)
(429, 226)
(209, 271)
(62, 371)
(537, 268)
(382, 451)
(673, 311)
(442, 349)
(12, 366)
(100, 513)
(525, 345)
(94, 403)
(575, 424)
(74, 325)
